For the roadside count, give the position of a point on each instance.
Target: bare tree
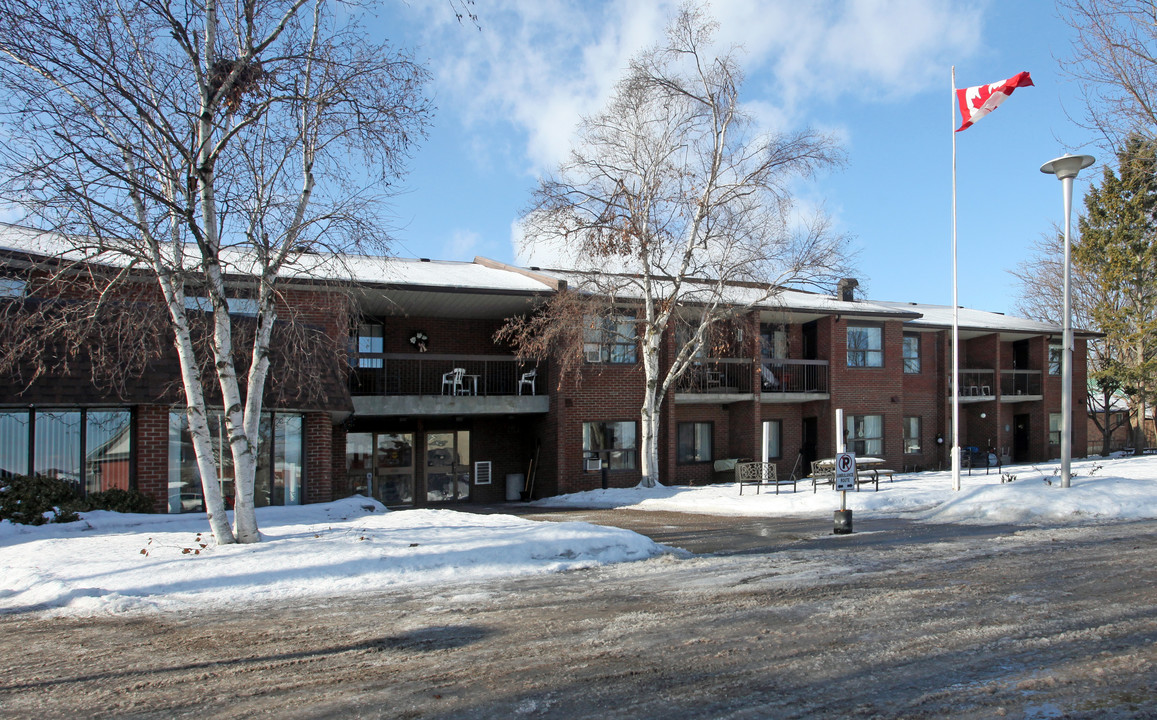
(673, 185)
(1114, 61)
(1041, 277)
(207, 145)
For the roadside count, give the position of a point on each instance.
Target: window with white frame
(911, 353)
(695, 442)
(610, 339)
(865, 434)
(369, 341)
(611, 442)
(773, 439)
(865, 346)
(912, 435)
(1054, 428)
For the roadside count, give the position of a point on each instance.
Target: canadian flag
(976, 102)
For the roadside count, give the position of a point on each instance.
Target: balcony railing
(977, 383)
(793, 376)
(1020, 382)
(717, 375)
(425, 374)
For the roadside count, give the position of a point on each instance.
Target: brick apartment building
(427, 409)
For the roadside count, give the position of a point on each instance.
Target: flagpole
(954, 383)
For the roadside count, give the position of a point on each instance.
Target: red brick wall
(152, 453)
(318, 457)
(606, 393)
(869, 391)
(922, 393)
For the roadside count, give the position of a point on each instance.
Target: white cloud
(539, 65)
(462, 245)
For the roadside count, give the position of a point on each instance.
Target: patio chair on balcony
(453, 380)
(527, 379)
(985, 390)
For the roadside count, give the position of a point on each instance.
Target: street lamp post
(1066, 168)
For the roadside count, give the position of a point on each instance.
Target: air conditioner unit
(594, 464)
(594, 355)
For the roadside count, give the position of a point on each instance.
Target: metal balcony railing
(1020, 382)
(426, 374)
(975, 383)
(717, 375)
(793, 376)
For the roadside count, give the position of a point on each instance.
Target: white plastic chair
(527, 379)
(453, 380)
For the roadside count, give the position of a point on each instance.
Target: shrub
(27, 500)
(117, 500)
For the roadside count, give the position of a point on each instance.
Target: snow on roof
(783, 300)
(940, 316)
(321, 266)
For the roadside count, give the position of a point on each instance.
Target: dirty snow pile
(113, 562)
(1101, 489)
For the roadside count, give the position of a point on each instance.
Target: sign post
(845, 480)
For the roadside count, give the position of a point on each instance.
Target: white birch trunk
(649, 419)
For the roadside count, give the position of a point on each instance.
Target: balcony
(417, 384)
(715, 380)
(784, 381)
(977, 385)
(1020, 385)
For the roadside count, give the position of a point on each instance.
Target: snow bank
(1101, 489)
(112, 562)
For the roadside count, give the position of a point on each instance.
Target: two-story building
(421, 406)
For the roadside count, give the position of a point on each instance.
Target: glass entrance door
(381, 465)
(448, 466)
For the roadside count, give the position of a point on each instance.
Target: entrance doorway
(381, 465)
(448, 466)
(1021, 436)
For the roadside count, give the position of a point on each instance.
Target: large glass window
(695, 442)
(280, 465)
(1055, 355)
(911, 353)
(912, 435)
(1054, 428)
(612, 442)
(865, 434)
(610, 339)
(773, 438)
(92, 449)
(865, 346)
(773, 341)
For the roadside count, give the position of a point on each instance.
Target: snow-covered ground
(110, 562)
(1101, 489)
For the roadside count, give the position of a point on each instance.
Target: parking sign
(846, 471)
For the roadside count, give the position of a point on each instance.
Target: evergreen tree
(1118, 254)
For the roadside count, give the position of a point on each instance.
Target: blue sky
(876, 74)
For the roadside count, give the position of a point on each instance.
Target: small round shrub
(38, 499)
(118, 500)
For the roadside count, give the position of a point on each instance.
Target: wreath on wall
(419, 340)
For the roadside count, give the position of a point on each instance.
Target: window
(772, 439)
(280, 465)
(368, 340)
(610, 339)
(1056, 352)
(611, 442)
(865, 434)
(865, 346)
(773, 341)
(695, 442)
(12, 287)
(237, 306)
(911, 435)
(911, 353)
(92, 449)
(1054, 428)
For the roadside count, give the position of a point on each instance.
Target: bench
(823, 473)
(760, 474)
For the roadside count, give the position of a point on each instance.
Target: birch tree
(674, 186)
(216, 148)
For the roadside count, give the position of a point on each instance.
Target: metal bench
(760, 474)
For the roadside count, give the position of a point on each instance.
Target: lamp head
(1067, 166)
